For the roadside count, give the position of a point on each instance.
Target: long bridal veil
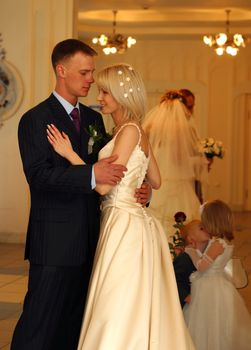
(175, 145)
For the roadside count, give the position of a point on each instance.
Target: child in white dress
(217, 317)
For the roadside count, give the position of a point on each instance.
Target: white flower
(211, 148)
(210, 141)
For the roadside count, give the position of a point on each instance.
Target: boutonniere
(96, 137)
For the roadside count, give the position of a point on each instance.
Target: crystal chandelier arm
(227, 21)
(114, 22)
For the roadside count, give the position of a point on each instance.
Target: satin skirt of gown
(133, 301)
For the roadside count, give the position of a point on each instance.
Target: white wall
(28, 39)
(30, 29)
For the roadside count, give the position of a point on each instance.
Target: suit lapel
(63, 122)
(84, 136)
(90, 117)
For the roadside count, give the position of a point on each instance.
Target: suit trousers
(53, 308)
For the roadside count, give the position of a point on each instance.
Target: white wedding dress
(217, 317)
(133, 301)
(174, 142)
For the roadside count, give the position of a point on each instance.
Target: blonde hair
(217, 219)
(126, 86)
(186, 229)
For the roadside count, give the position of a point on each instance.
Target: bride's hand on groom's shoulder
(107, 172)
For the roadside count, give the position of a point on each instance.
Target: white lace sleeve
(201, 262)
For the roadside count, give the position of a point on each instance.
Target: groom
(64, 216)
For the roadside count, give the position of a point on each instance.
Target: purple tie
(76, 118)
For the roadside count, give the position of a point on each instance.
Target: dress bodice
(122, 195)
(219, 263)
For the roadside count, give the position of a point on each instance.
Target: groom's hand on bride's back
(144, 194)
(107, 172)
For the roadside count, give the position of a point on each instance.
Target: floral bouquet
(211, 148)
(177, 244)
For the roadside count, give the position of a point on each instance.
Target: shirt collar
(67, 105)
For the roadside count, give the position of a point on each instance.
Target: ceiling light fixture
(114, 43)
(225, 42)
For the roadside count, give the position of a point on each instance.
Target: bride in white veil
(175, 146)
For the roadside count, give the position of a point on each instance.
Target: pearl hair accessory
(127, 79)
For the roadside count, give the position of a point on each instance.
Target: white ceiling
(163, 18)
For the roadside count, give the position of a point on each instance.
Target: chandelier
(114, 43)
(224, 42)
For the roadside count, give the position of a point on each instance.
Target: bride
(132, 300)
(175, 147)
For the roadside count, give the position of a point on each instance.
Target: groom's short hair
(67, 48)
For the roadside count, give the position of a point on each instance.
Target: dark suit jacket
(64, 216)
(183, 267)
